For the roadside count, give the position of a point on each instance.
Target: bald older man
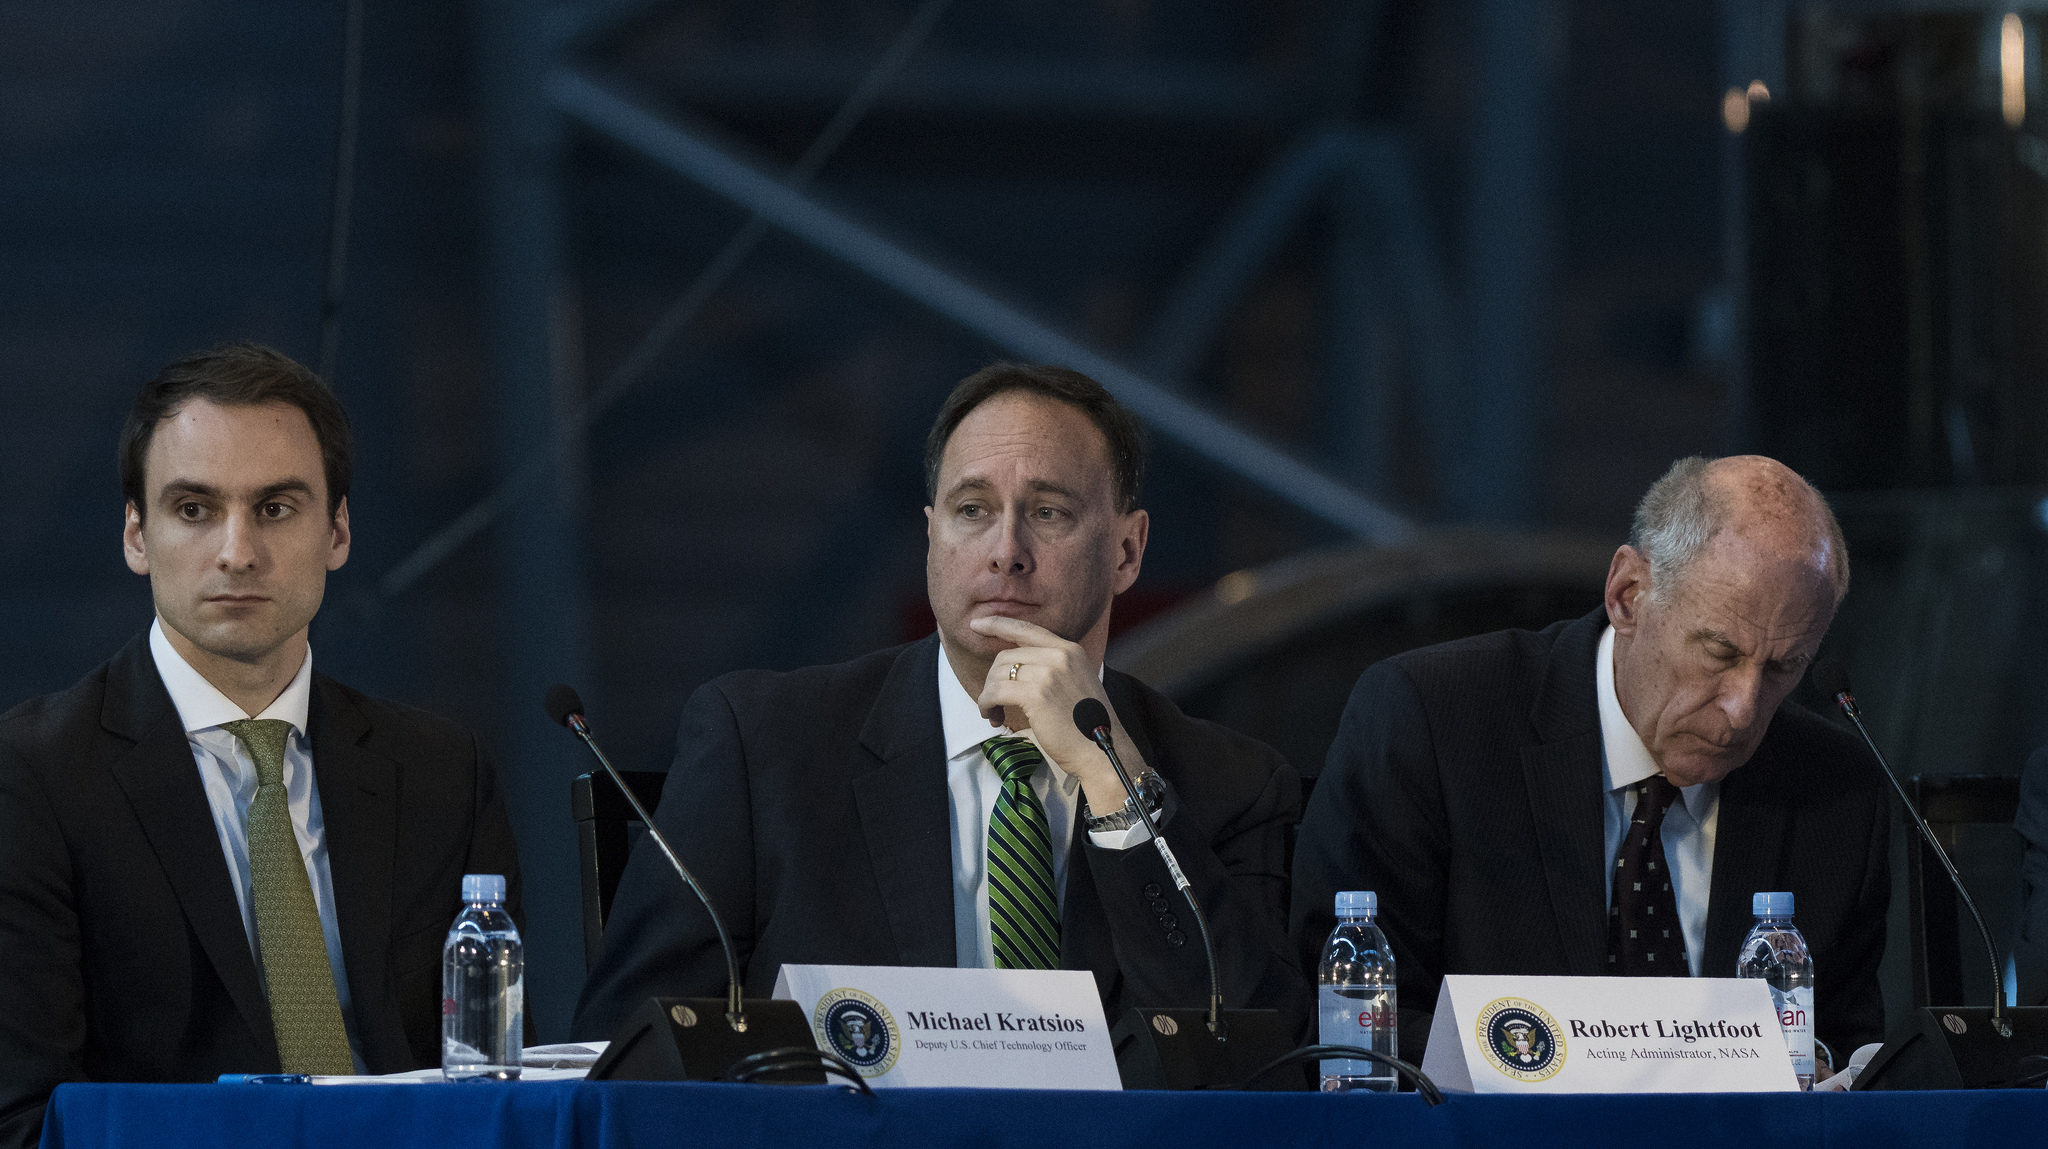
(1486, 788)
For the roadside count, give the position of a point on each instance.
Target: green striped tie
(304, 1010)
(1023, 908)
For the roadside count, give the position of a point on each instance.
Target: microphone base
(1924, 1051)
(688, 1039)
(1173, 1049)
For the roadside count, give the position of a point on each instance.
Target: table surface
(616, 1115)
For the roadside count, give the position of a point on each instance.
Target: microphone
(566, 708)
(1092, 717)
(1833, 681)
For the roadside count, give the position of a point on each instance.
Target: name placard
(987, 1028)
(1606, 1035)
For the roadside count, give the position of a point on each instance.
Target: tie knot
(1656, 790)
(1013, 758)
(265, 738)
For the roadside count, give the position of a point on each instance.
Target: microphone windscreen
(1832, 679)
(562, 702)
(1090, 715)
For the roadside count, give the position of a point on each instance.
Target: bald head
(1748, 502)
(1719, 603)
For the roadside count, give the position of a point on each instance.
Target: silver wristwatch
(1151, 787)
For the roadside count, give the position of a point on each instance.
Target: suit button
(1152, 889)
(1176, 938)
(1169, 921)
(1159, 905)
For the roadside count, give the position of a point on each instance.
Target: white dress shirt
(1689, 824)
(972, 787)
(229, 777)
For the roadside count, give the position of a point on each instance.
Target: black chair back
(1947, 950)
(604, 838)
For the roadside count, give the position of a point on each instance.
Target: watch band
(1151, 787)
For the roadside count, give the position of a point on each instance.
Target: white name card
(986, 1028)
(1606, 1035)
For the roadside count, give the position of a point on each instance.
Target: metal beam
(1242, 246)
(539, 569)
(692, 156)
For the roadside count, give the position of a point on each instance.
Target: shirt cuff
(1122, 839)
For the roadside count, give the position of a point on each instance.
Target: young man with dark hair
(213, 859)
(933, 804)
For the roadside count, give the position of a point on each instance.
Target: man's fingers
(1016, 630)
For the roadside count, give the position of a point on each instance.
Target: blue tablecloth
(704, 1116)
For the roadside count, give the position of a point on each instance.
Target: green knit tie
(303, 1007)
(1023, 909)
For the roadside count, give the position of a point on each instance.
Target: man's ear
(1137, 528)
(337, 548)
(1628, 580)
(132, 548)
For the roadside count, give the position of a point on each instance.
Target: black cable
(784, 1059)
(1424, 1087)
(2032, 1079)
(341, 200)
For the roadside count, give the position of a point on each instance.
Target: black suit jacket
(2030, 948)
(813, 808)
(123, 956)
(1466, 786)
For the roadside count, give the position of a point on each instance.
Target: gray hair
(1681, 513)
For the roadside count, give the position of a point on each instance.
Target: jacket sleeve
(2030, 948)
(1849, 1011)
(42, 986)
(659, 941)
(1238, 871)
(1376, 821)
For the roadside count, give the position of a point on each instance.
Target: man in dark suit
(213, 859)
(1488, 789)
(933, 804)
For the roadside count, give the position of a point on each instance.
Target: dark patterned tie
(1023, 909)
(1643, 935)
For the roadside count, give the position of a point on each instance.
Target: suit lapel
(162, 786)
(359, 807)
(1565, 775)
(904, 812)
(1749, 855)
(1564, 795)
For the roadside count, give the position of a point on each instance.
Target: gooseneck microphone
(1833, 681)
(1092, 717)
(566, 708)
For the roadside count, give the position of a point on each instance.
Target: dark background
(1614, 277)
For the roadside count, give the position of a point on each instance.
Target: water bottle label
(1795, 1017)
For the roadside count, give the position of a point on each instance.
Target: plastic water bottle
(483, 987)
(1775, 952)
(1355, 991)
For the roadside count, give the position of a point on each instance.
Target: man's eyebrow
(1045, 487)
(177, 487)
(969, 484)
(1707, 635)
(286, 486)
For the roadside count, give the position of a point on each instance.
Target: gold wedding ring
(1014, 668)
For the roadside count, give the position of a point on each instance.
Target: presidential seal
(858, 1028)
(1521, 1039)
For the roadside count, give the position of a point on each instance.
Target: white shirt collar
(202, 706)
(1628, 760)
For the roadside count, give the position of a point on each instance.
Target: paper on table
(1843, 1081)
(540, 1063)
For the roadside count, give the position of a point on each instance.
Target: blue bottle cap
(1357, 903)
(1773, 905)
(483, 888)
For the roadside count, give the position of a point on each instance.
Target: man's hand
(1036, 683)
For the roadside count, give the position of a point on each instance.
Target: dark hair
(236, 375)
(1120, 429)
